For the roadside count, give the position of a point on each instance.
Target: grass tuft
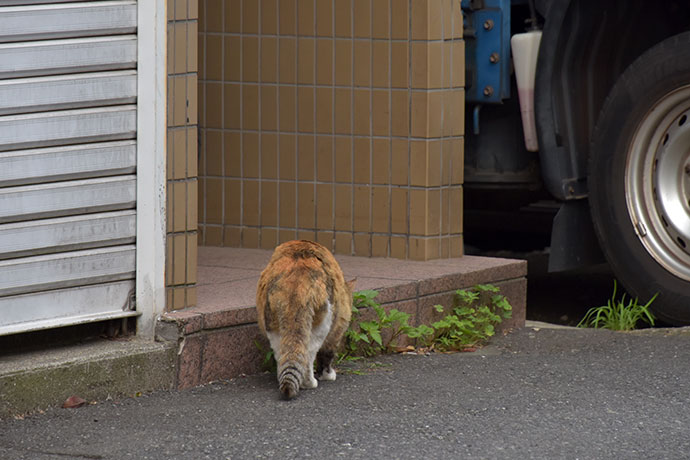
(616, 315)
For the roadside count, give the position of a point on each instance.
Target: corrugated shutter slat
(68, 118)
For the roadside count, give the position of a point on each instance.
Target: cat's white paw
(328, 375)
(310, 382)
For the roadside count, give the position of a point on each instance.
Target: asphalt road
(534, 394)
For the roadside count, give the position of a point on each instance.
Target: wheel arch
(585, 47)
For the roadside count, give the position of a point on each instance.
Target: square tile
(250, 108)
(269, 156)
(343, 18)
(306, 158)
(324, 61)
(381, 165)
(324, 110)
(380, 107)
(362, 18)
(324, 206)
(306, 206)
(379, 19)
(361, 200)
(343, 207)
(362, 244)
(250, 202)
(380, 202)
(305, 110)
(287, 17)
(343, 110)
(343, 62)
(324, 19)
(324, 158)
(306, 60)
(269, 108)
(379, 245)
(269, 59)
(362, 62)
(305, 17)
(380, 58)
(343, 243)
(250, 58)
(287, 204)
(362, 160)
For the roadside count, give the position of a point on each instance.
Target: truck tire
(639, 178)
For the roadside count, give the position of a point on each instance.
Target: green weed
(268, 362)
(472, 320)
(616, 315)
(380, 335)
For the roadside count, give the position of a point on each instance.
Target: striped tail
(290, 379)
(292, 365)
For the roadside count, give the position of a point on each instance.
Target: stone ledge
(216, 339)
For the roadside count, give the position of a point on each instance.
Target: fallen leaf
(73, 402)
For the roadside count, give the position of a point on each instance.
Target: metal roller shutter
(68, 117)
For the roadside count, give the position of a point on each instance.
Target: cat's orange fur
(304, 307)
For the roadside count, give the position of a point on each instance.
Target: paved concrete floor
(227, 277)
(536, 393)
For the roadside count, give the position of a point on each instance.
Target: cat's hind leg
(309, 380)
(329, 348)
(274, 340)
(324, 364)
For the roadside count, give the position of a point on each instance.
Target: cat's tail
(292, 365)
(290, 379)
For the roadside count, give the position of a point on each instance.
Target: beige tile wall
(339, 121)
(182, 220)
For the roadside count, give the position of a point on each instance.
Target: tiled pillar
(437, 107)
(181, 260)
(339, 121)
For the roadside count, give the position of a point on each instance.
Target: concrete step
(94, 370)
(216, 339)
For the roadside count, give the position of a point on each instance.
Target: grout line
(278, 143)
(296, 114)
(358, 136)
(371, 127)
(352, 129)
(333, 129)
(313, 133)
(336, 37)
(390, 129)
(222, 117)
(202, 133)
(408, 216)
(259, 116)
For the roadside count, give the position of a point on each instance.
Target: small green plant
(472, 320)
(381, 334)
(616, 315)
(268, 362)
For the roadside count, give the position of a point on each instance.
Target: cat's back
(300, 274)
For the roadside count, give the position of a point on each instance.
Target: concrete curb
(93, 371)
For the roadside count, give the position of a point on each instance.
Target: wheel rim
(657, 182)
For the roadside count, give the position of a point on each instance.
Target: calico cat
(304, 307)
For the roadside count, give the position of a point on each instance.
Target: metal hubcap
(657, 182)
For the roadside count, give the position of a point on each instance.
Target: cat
(304, 307)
